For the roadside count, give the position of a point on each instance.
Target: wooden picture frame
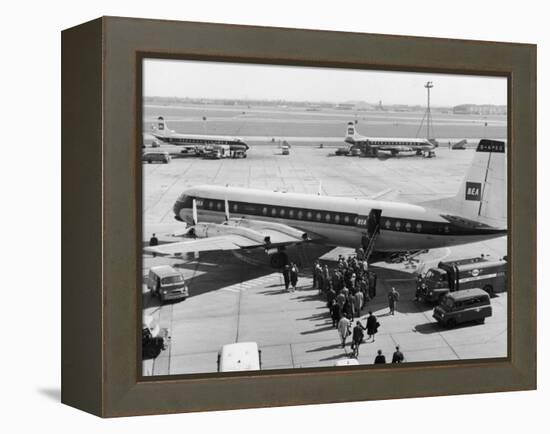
(101, 184)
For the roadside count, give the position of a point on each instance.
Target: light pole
(428, 86)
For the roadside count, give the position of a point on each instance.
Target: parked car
(467, 305)
(167, 283)
(156, 156)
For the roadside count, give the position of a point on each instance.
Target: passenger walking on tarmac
(348, 307)
(341, 299)
(398, 356)
(372, 284)
(380, 358)
(344, 329)
(393, 298)
(315, 284)
(364, 288)
(326, 278)
(372, 326)
(293, 276)
(365, 241)
(335, 313)
(331, 296)
(154, 242)
(358, 302)
(357, 337)
(286, 276)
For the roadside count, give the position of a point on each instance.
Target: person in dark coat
(154, 241)
(293, 276)
(372, 326)
(348, 307)
(380, 358)
(286, 276)
(335, 313)
(357, 337)
(393, 298)
(364, 242)
(331, 296)
(398, 356)
(372, 284)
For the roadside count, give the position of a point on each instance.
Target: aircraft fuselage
(336, 221)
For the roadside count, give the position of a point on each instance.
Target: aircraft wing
(260, 237)
(220, 242)
(278, 238)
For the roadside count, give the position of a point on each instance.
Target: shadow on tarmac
(315, 316)
(322, 328)
(325, 348)
(435, 327)
(273, 291)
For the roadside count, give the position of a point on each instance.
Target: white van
(242, 356)
(167, 283)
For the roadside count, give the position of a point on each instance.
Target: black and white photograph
(304, 217)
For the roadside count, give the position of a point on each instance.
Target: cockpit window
(186, 200)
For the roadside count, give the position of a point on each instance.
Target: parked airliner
(161, 132)
(229, 218)
(372, 145)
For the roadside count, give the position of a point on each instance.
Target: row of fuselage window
(393, 143)
(205, 141)
(314, 215)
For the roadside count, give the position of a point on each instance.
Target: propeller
(226, 210)
(195, 217)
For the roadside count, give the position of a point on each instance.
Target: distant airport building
(474, 109)
(345, 106)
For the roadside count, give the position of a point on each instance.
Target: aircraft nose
(177, 208)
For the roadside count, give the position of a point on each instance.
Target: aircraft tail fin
(351, 133)
(160, 128)
(482, 194)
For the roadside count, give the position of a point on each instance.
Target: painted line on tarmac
(238, 287)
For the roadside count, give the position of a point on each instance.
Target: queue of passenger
(348, 287)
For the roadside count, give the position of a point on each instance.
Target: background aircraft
(394, 146)
(161, 132)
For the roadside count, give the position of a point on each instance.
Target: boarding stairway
(372, 242)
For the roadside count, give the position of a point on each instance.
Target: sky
(199, 79)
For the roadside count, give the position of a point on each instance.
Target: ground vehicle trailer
(463, 274)
(241, 356)
(239, 153)
(217, 151)
(167, 283)
(343, 150)
(159, 156)
(355, 151)
(463, 306)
